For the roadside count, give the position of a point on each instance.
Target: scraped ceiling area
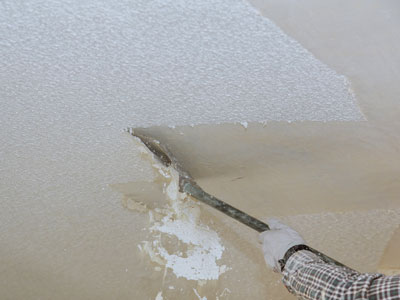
(76, 73)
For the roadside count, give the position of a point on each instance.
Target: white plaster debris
(244, 124)
(223, 269)
(180, 219)
(198, 296)
(159, 296)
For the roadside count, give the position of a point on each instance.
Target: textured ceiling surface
(144, 63)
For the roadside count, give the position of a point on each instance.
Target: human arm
(308, 277)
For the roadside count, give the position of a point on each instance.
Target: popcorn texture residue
(199, 248)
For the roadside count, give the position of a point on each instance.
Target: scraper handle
(197, 192)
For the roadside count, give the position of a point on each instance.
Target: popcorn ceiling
(144, 63)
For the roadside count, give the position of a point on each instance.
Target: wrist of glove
(277, 241)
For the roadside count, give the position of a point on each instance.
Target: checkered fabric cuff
(308, 277)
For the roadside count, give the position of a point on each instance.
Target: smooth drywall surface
(390, 261)
(362, 45)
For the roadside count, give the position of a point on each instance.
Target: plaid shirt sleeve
(308, 277)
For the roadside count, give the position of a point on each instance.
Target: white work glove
(277, 241)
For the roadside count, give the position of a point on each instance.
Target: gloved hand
(277, 241)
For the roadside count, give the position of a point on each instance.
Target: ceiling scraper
(189, 186)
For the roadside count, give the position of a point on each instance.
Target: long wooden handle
(197, 192)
